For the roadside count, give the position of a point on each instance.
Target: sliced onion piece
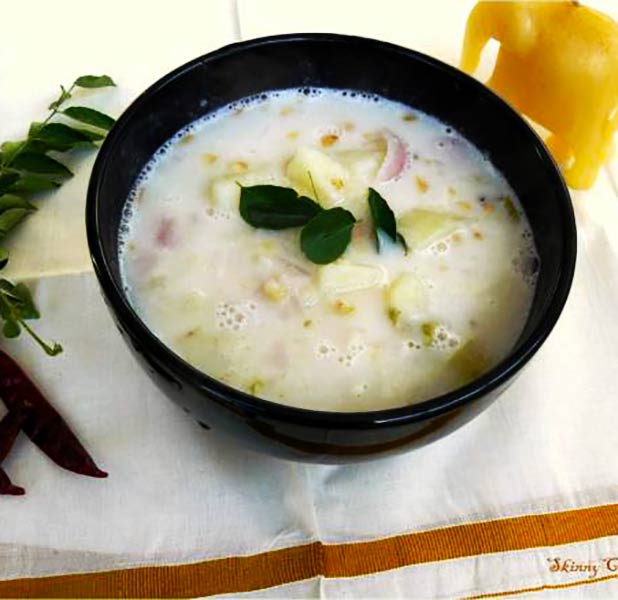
(396, 157)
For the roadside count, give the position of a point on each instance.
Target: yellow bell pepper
(557, 64)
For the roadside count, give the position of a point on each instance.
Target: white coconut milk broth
(374, 329)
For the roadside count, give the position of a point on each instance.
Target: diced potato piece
(330, 178)
(470, 361)
(421, 227)
(342, 278)
(406, 299)
(224, 191)
(362, 164)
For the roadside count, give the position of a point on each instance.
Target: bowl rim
(259, 407)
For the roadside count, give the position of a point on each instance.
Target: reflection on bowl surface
(459, 109)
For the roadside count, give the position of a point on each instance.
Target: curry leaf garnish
(7, 181)
(30, 184)
(383, 220)
(325, 238)
(64, 96)
(61, 137)
(93, 81)
(89, 116)
(27, 169)
(16, 307)
(11, 217)
(8, 151)
(12, 201)
(325, 234)
(274, 207)
(37, 162)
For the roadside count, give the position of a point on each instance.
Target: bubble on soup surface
(217, 214)
(360, 389)
(325, 349)
(440, 247)
(438, 336)
(233, 316)
(527, 264)
(352, 352)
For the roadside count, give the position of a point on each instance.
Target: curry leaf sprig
(325, 238)
(31, 166)
(274, 207)
(384, 221)
(326, 233)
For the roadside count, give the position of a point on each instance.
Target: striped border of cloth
(238, 574)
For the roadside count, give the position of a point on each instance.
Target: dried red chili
(42, 423)
(6, 486)
(9, 430)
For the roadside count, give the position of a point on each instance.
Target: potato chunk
(421, 227)
(406, 300)
(343, 278)
(363, 165)
(330, 178)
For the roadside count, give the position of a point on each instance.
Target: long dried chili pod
(42, 424)
(6, 486)
(9, 429)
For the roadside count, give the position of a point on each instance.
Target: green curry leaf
(89, 116)
(383, 220)
(326, 237)
(37, 162)
(26, 169)
(274, 207)
(94, 81)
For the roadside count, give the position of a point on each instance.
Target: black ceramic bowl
(293, 61)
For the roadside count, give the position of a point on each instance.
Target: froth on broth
(371, 330)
